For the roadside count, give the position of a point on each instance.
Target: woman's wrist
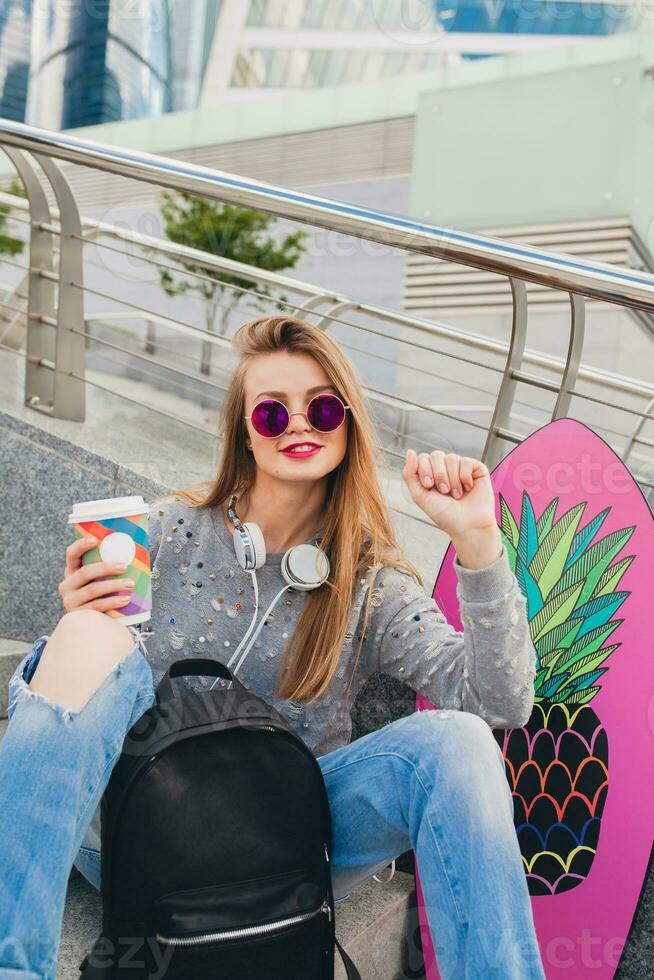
(478, 547)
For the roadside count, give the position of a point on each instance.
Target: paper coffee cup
(121, 526)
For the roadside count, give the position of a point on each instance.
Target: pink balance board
(580, 539)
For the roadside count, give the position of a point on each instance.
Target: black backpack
(215, 844)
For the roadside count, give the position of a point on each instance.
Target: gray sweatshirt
(203, 603)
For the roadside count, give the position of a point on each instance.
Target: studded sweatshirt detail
(203, 603)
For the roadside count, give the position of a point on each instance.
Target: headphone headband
(231, 513)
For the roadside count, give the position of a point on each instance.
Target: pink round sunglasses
(271, 418)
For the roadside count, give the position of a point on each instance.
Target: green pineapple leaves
(571, 589)
(552, 553)
(590, 564)
(555, 612)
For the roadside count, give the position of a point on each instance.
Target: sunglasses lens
(326, 412)
(270, 418)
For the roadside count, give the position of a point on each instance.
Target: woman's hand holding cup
(79, 590)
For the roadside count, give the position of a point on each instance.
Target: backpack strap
(350, 968)
(195, 666)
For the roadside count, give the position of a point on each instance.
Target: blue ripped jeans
(433, 781)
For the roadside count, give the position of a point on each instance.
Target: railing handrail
(625, 287)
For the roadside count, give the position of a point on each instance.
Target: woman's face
(293, 379)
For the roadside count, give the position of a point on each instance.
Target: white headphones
(304, 567)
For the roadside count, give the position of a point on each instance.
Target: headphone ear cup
(258, 543)
(305, 567)
(249, 546)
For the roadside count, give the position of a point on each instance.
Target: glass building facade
(398, 26)
(15, 19)
(573, 17)
(295, 68)
(99, 61)
(192, 25)
(342, 15)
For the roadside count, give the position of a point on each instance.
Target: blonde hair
(357, 533)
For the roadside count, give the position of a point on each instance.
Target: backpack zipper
(210, 937)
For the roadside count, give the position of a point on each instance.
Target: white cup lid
(108, 507)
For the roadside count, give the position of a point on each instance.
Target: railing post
(492, 453)
(41, 335)
(70, 361)
(633, 438)
(573, 358)
(311, 305)
(327, 317)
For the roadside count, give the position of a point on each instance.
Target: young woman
(299, 455)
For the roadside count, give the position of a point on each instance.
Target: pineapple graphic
(558, 763)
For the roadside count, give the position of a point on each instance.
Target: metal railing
(55, 292)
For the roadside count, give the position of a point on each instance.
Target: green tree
(234, 233)
(8, 244)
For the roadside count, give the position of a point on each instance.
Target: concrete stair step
(11, 654)
(377, 925)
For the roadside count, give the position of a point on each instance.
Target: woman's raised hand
(79, 590)
(454, 491)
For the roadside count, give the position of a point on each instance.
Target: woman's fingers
(452, 461)
(79, 588)
(75, 551)
(449, 472)
(95, 569)
(111, 602)
(441, 475)
(87, 597)
(434, 470)
(425, 472)
(78, 598)
(411, 475)
(465, 472)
